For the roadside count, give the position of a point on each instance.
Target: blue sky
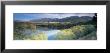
(31, 16)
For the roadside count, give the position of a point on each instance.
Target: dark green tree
(94, 20)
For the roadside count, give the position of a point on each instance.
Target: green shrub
(40, 36)
(75, 32)
(90, 36)
(65, 34)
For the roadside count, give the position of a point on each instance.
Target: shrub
(65, 34)
(75, 32)
(40, 36)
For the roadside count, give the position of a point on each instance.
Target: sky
(32, 16)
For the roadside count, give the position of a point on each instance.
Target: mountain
(73, 19)
(45, 20)
(18, 21)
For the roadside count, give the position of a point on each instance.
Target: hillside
(73, 19)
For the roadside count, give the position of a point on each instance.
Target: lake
(51, 33)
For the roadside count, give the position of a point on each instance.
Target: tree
(95, 17)
(94, 20)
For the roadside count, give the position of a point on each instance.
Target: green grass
(75, 32)
(90, 36)
(40, 36)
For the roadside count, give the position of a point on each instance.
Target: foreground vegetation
(20, 28)
(77, 32)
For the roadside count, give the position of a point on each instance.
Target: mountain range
(73, 19)
(67, 19)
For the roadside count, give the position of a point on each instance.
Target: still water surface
(51, 33)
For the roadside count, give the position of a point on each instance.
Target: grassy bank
(76, 32)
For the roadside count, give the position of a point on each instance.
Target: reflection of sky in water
(50, 33)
